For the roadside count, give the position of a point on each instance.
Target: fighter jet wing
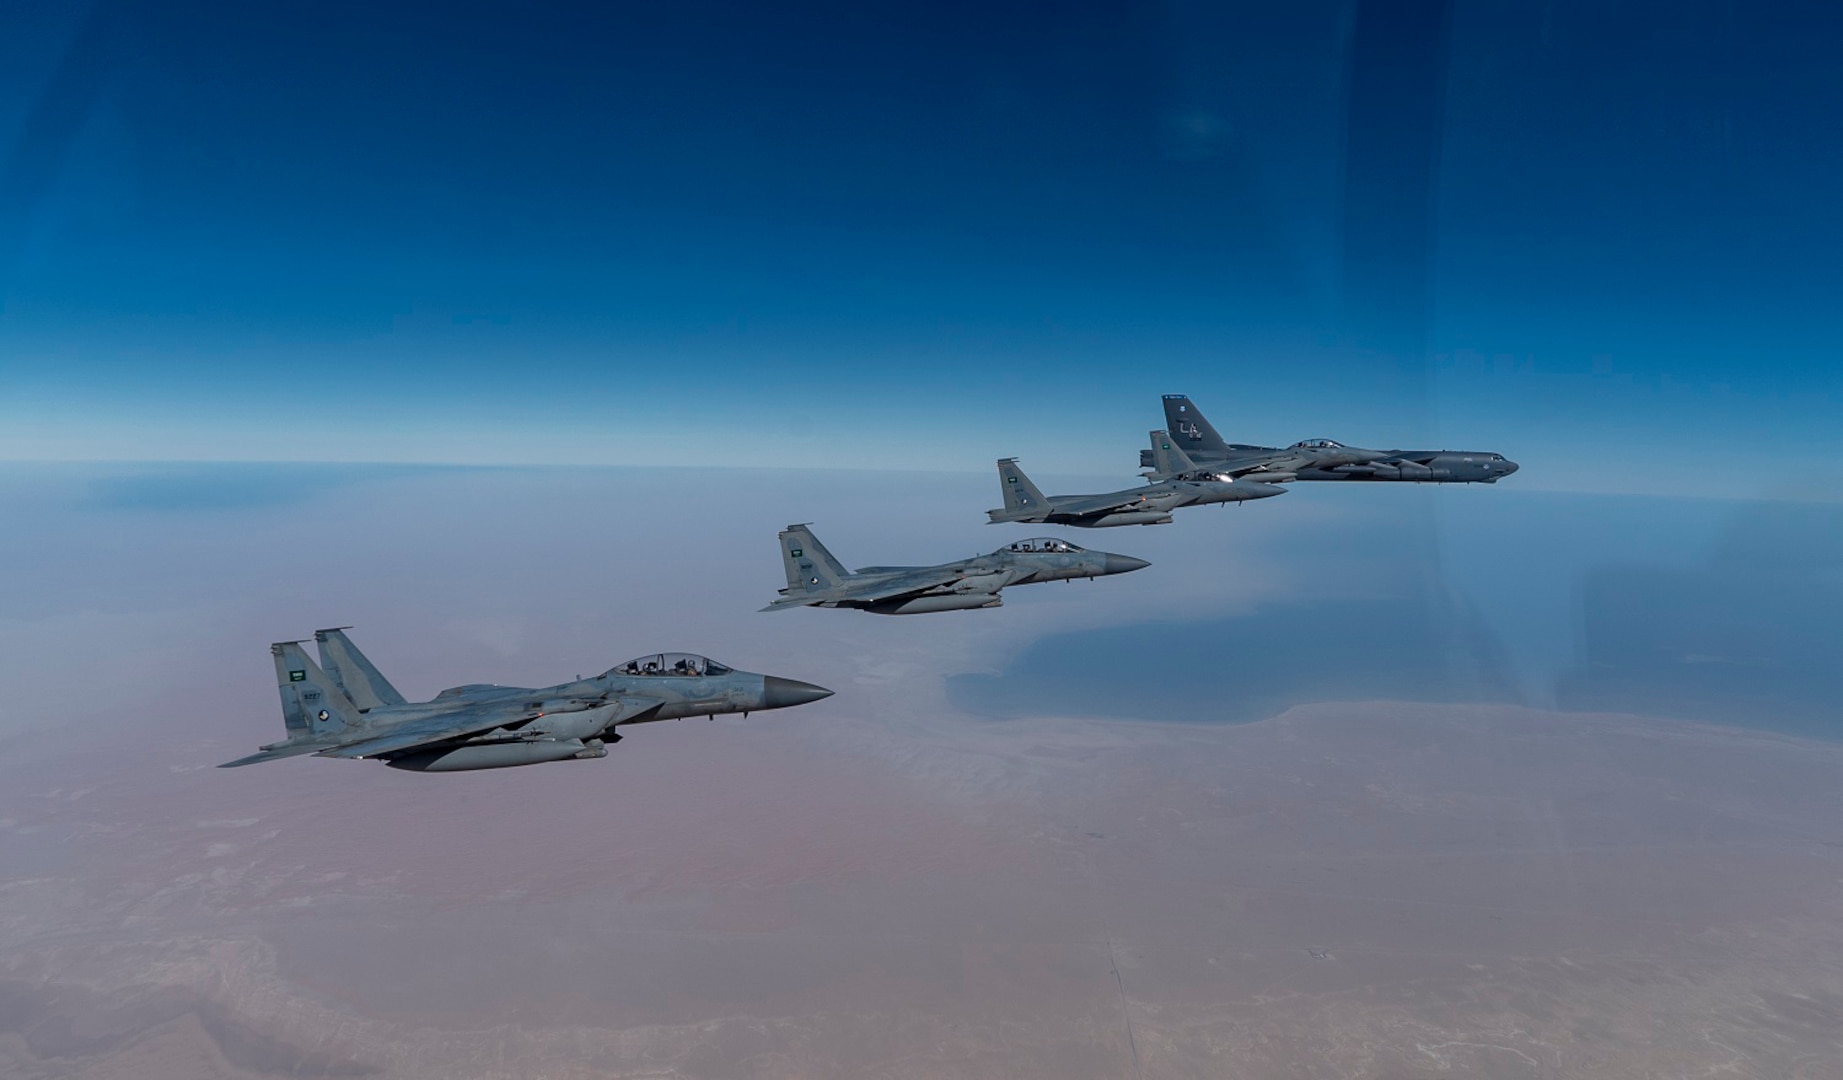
(920, 580)
(1091, 505)
(461, 724)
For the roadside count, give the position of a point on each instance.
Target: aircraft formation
(343, 707)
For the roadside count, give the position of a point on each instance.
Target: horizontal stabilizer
(272, 755)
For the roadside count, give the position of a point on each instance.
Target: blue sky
(920, 236)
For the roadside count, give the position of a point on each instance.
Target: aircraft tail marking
(810, 567)
(1168, 458)
(352, 672)
(1189, 429)
(313, 705)
(1021, 496)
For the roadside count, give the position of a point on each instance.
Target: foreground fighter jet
(344, 708)
(1148, 505)
(1320, 459)
(816, 579)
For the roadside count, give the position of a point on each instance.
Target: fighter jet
(344, 708)
(816, 579)
(1168, 461)
(1148, 505)
(1320, 459)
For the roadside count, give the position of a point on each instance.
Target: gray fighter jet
(1148, 505)
(816, 579)
(1319, 459)
(344, 708)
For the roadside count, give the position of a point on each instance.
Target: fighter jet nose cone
(779, 693)
(1124, 564)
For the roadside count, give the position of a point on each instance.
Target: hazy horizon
(509, 336)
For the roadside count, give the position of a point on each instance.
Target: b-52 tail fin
(1023, 502)
(352, 672)
(810, 567)
(1189, 429)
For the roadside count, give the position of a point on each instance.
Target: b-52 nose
(1122, 564)
(779, 693)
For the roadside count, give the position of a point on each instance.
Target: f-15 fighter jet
(1148, 505)
(816, 579)
(1168, 461)
(1321, 459)
(344, 708)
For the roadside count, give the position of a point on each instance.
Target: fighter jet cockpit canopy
(1043, 545)
(671, 664)
(1318, 444)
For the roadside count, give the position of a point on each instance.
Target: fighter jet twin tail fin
(321, 702)
(810, 567)
(353, 673)
(1022, 499)
(313, 705)
(1168, 459)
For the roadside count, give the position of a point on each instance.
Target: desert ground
(1363, 889)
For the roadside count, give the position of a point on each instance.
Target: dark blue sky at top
(230, 228)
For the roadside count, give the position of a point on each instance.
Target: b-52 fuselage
(1318, 459)
(344, 708)
(816, 579)
(1151, 504)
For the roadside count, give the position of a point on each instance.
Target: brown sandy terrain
(1370, 890)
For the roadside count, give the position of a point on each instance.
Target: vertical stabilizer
(352, 672)
(313, 706)
(1021, 496)
(810, 567)
(1189, 430)
(1169, 459)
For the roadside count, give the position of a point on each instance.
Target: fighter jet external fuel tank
(344, 708)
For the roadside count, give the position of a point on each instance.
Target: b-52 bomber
(1148, 505)
(816, 579)
(1318, 459)
(344, 708)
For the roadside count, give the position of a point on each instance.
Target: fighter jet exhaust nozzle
(503, 755)
(920, 605)
(779, 693)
